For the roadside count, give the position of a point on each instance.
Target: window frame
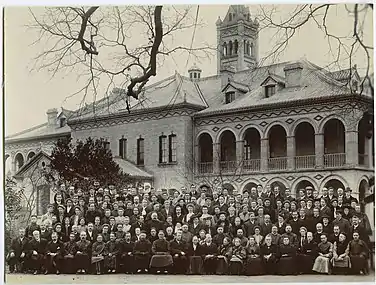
(172, 148)
(123, 148)
(270, 90)
(140, 153)
(163, 149)
(229, 97)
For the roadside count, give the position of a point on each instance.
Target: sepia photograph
(200, 143)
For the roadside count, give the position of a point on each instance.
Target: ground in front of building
(170, 279)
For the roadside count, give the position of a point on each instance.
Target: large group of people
(101, 229)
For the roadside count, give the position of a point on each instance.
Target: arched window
(224, 49)
(236, 46)
(230, 48)
(245, 47)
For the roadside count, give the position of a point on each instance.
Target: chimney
(293, 74)
(227, 73)
(52, 117)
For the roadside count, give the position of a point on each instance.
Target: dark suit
(209, 262)
(54, 263)
(180, 260)
(18, 247)
(36, 260)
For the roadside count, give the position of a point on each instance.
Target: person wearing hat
(69, 211)
(348, 197)
(343, 224)
(188, 217)
(327, 226)
(61, 213)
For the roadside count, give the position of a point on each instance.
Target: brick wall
(174, 175)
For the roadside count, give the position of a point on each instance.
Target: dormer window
(63, 122)
(230, 96)
(269, 91)
(355, 85)
(230, 17)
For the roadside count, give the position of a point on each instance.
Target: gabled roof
(345, 74)
(35, 159)
(316, 84)
(275, 78)
(238, 86)
(165, 94)
(39, 132)
(131, 169)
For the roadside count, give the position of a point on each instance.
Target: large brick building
(291, 123)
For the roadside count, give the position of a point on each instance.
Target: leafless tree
(113, 46)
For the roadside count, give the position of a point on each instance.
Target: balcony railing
(250, 165)
(277, 163)
(304, 162)
(334, 159)
(228, 166)
(363, 159)
(205, 167)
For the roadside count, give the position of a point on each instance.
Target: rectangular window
(269, 91)
(162, 149)
(63, 122)
(123, 148)
(140, 151)
(106, 145)
(230, 96)
(172, 157)
(247, 152)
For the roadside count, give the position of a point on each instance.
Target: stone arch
(205, 153)
(334, 137)
(294, 125)
(246, 128)
(229, 186)
(218, 137)
(333, 177)
(252, 145)
(278, 180)
(362, 189)
(247, 187)
(328, 118)
(249, 181)
(298, 183)
(203, 132)
(266, 132)
(19, 160)
(30, 155)
(7, 163)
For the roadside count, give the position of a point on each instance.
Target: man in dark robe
(358, 251)
(250, 225)
(269, 254)
(292, 237)
(111, 253)
(18, 252)
(307, 253)
(357, 227)
(142, 253)
(37, 248)
(70, 249)
(161, 259)
(342, 223)
(82, 257)
(54, 255)
(126, 251)
(209, 254)
(178, 250)
(218, 238)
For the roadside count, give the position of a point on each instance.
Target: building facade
(292, 123)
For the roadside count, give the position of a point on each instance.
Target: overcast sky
(28, 95)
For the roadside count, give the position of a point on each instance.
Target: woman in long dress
(161, 259)
(325, 254)
(97, 257)
(287, 258)
(238, 256)
(341, 260)
(254, 265)
(224, 255)
(195, 256)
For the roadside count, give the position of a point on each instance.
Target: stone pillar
(290, 152)
(264, 154)
(216, 157)
(352, 156)
(369, 153)
(239, 153)
(319, 150)
(196, 159)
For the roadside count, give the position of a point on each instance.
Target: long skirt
(141, 261)
(359, 263)
(286, 266)
(110, 262)
(195, 265)
(82, 261)
(128, 263)
(54, 263)
(210, 265)
(270, 265)
(305, 263)
(222, 265)
(69, 264)
(342, 263)
(161, 261)
(180, 264)
(322, 265)
(254, 266)
(236, 266)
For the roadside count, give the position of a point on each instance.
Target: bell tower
(237, 40)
